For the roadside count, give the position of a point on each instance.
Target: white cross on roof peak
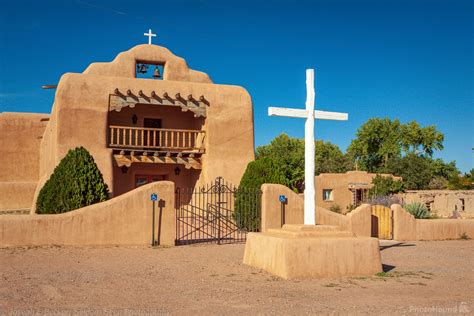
(150, 35)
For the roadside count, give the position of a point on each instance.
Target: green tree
(330, 159)
(76, 182)
(415, 171)
(378, 141)
(461, 182)
(421, 140)
(443, 169)
(247, 201)
(385, 186)
(287, 154)
(438, 183)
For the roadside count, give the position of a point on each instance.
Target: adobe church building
(145, 116)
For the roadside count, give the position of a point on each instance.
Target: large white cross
(310, 115)
(150, 35)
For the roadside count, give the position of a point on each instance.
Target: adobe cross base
(310, 115)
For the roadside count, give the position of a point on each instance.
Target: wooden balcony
(157, 139)
(156, 145)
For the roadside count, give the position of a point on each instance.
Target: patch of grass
(331, 285)
(274, 278)
(464, 236)
(395, 274)
(398, 276)
(335, 208)
(384, 274)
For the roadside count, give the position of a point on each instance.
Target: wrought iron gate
(219, 212)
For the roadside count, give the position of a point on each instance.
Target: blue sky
(411, 60)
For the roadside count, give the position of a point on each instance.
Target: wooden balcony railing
(156, 138)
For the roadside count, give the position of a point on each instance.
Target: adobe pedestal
(312, 251)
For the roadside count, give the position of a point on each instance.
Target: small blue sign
(154, 197)
(282, 199)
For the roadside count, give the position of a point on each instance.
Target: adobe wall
(176, 68)
(80, 114)
(406, 227)
(443, 202)
(358, 221)
(124, 220)
(16, 195)
(20, 138)
(338, 182)
(271, 207)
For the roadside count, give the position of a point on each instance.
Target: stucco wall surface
(175, 68)
(358, 221)
(124, 220)
(339, 184)
(406, 227)
(16, 195)
(20, 138)
(444, 202)
(321, 257)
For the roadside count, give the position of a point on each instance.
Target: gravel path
(424, 277)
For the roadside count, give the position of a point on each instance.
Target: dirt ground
(421, 277)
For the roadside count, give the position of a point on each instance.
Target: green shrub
(350, 208)
(418, 210)
(464, 236)
(335, 208)
(247, 203)
(76, 182)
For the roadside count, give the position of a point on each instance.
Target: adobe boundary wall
(358, 221)
(407, 227)
(124, 220)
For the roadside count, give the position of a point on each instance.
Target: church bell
(142, 69)
(156, 73)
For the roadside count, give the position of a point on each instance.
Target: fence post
(218, 187)
(283, 201)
